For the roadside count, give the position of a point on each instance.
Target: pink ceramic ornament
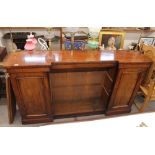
(29, 44)
(31, 36)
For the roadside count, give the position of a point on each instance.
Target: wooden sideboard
(56, 84)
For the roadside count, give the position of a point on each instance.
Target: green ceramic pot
(93, 44)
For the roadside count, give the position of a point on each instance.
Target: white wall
(134, 37)
(129, 38)
(38, 32)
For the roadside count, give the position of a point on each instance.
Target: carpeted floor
(17, 122)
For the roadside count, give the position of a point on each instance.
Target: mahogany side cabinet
(55, 84)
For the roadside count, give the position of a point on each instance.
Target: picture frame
(147, 40)
(117, 36)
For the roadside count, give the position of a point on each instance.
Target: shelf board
(21, 28)
(130, 30)
(134, 30)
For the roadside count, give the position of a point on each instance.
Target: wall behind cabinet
(129, 38)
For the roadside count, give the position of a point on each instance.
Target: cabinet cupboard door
(11, 102)
(126, 86)
(33, 96)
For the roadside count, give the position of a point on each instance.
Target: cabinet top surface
(47, 58)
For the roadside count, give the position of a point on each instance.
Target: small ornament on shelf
(93, 41)
(30, 43)
(102, 47)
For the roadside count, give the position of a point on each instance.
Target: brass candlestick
(49, 30)
(11, 37)
(72, 41)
